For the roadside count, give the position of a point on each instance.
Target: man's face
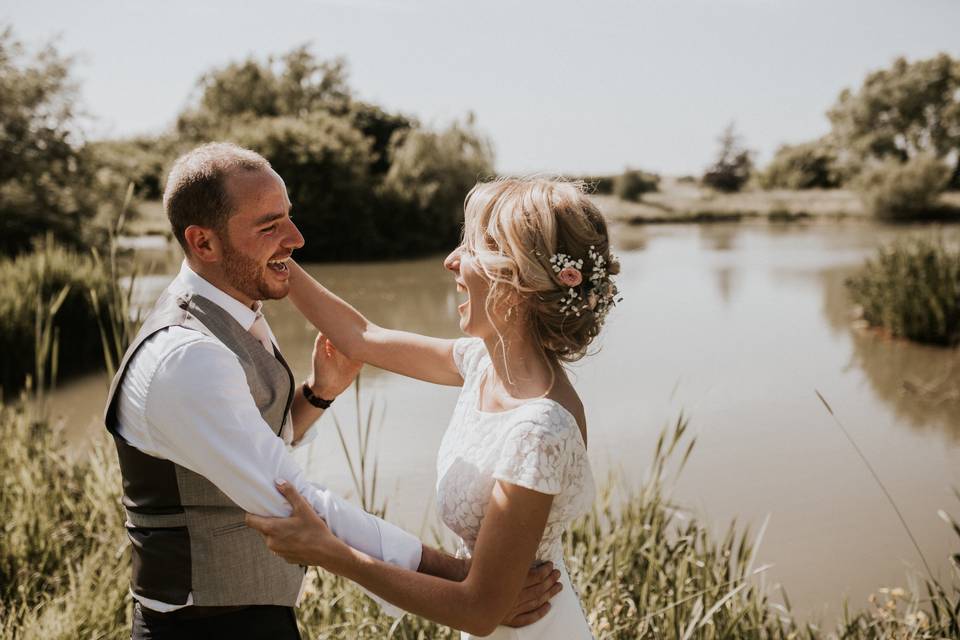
(260, 235)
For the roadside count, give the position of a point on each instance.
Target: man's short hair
(196, 192)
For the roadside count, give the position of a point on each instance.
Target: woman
(512, 467)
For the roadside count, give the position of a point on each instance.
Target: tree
(295, 84)
(365, 183)
(903, 112)
(46, 183)
(811, 165)
(324, 162)
(429, 177)
(732, 168)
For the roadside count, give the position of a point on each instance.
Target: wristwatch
(316, 401)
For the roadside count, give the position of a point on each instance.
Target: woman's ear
(203, 242)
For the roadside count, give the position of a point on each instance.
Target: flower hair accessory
(600, 294)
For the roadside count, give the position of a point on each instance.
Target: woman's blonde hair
(514, 226)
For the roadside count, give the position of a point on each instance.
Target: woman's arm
(512, 527)
(409, 354)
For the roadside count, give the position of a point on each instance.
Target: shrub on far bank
(912, 290)
(632, 184)
(40, 276)
(892, 190)
(421, 207)
(812, 165)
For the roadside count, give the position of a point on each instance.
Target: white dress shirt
(185, 399)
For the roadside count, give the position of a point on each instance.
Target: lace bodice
(536, 445)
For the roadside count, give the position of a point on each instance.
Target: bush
(365, 183)
(912, 290)
(37, 277)
(632, 184)
(893, 190)
(429, 177)
(324, 162)
(812, 165)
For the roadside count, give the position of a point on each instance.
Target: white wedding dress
(538, 446)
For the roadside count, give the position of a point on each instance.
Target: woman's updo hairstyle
(514, 226)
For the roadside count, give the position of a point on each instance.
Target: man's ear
(204, 243)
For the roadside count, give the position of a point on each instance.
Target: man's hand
(332, 371)
(542, 583)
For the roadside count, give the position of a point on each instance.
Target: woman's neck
(521, 369)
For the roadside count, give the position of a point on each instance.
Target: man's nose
(294, 239)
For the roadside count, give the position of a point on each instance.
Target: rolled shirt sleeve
(211, 425)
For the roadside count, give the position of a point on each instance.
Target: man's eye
(270, 229)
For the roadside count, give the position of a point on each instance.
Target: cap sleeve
(467, 353)
(536, 452)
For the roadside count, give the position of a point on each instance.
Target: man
(203, 406)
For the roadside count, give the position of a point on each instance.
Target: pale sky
(560, 86)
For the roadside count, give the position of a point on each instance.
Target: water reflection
(920, 383)
(719, 237)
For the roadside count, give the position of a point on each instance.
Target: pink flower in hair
(570, 276)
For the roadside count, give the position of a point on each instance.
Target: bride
(512, 470)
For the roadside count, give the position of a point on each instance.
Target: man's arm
(201, 415)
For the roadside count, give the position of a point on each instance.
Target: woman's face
(474, 320)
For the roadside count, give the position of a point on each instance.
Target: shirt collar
(189, 281)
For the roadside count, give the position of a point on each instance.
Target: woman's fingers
(539, 574)
(297, 501)
(530, 617)
(261, 524)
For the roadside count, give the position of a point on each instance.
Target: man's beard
(247, 276)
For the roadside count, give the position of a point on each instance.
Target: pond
(736, 326)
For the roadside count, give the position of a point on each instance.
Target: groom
(203, 407)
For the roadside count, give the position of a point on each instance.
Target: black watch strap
(319, 403)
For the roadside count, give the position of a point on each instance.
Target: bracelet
(318, 402)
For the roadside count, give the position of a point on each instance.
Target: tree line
(365, 182)
(895, 140)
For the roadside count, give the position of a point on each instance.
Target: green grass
(911, 289)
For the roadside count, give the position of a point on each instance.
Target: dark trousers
(260, 622)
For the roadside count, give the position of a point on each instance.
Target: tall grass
(644, 567)
(911, 289)
(31, 283)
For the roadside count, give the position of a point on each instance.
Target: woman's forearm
(461, 605)
(337, 319)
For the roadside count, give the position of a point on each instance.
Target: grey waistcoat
(187, 535)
